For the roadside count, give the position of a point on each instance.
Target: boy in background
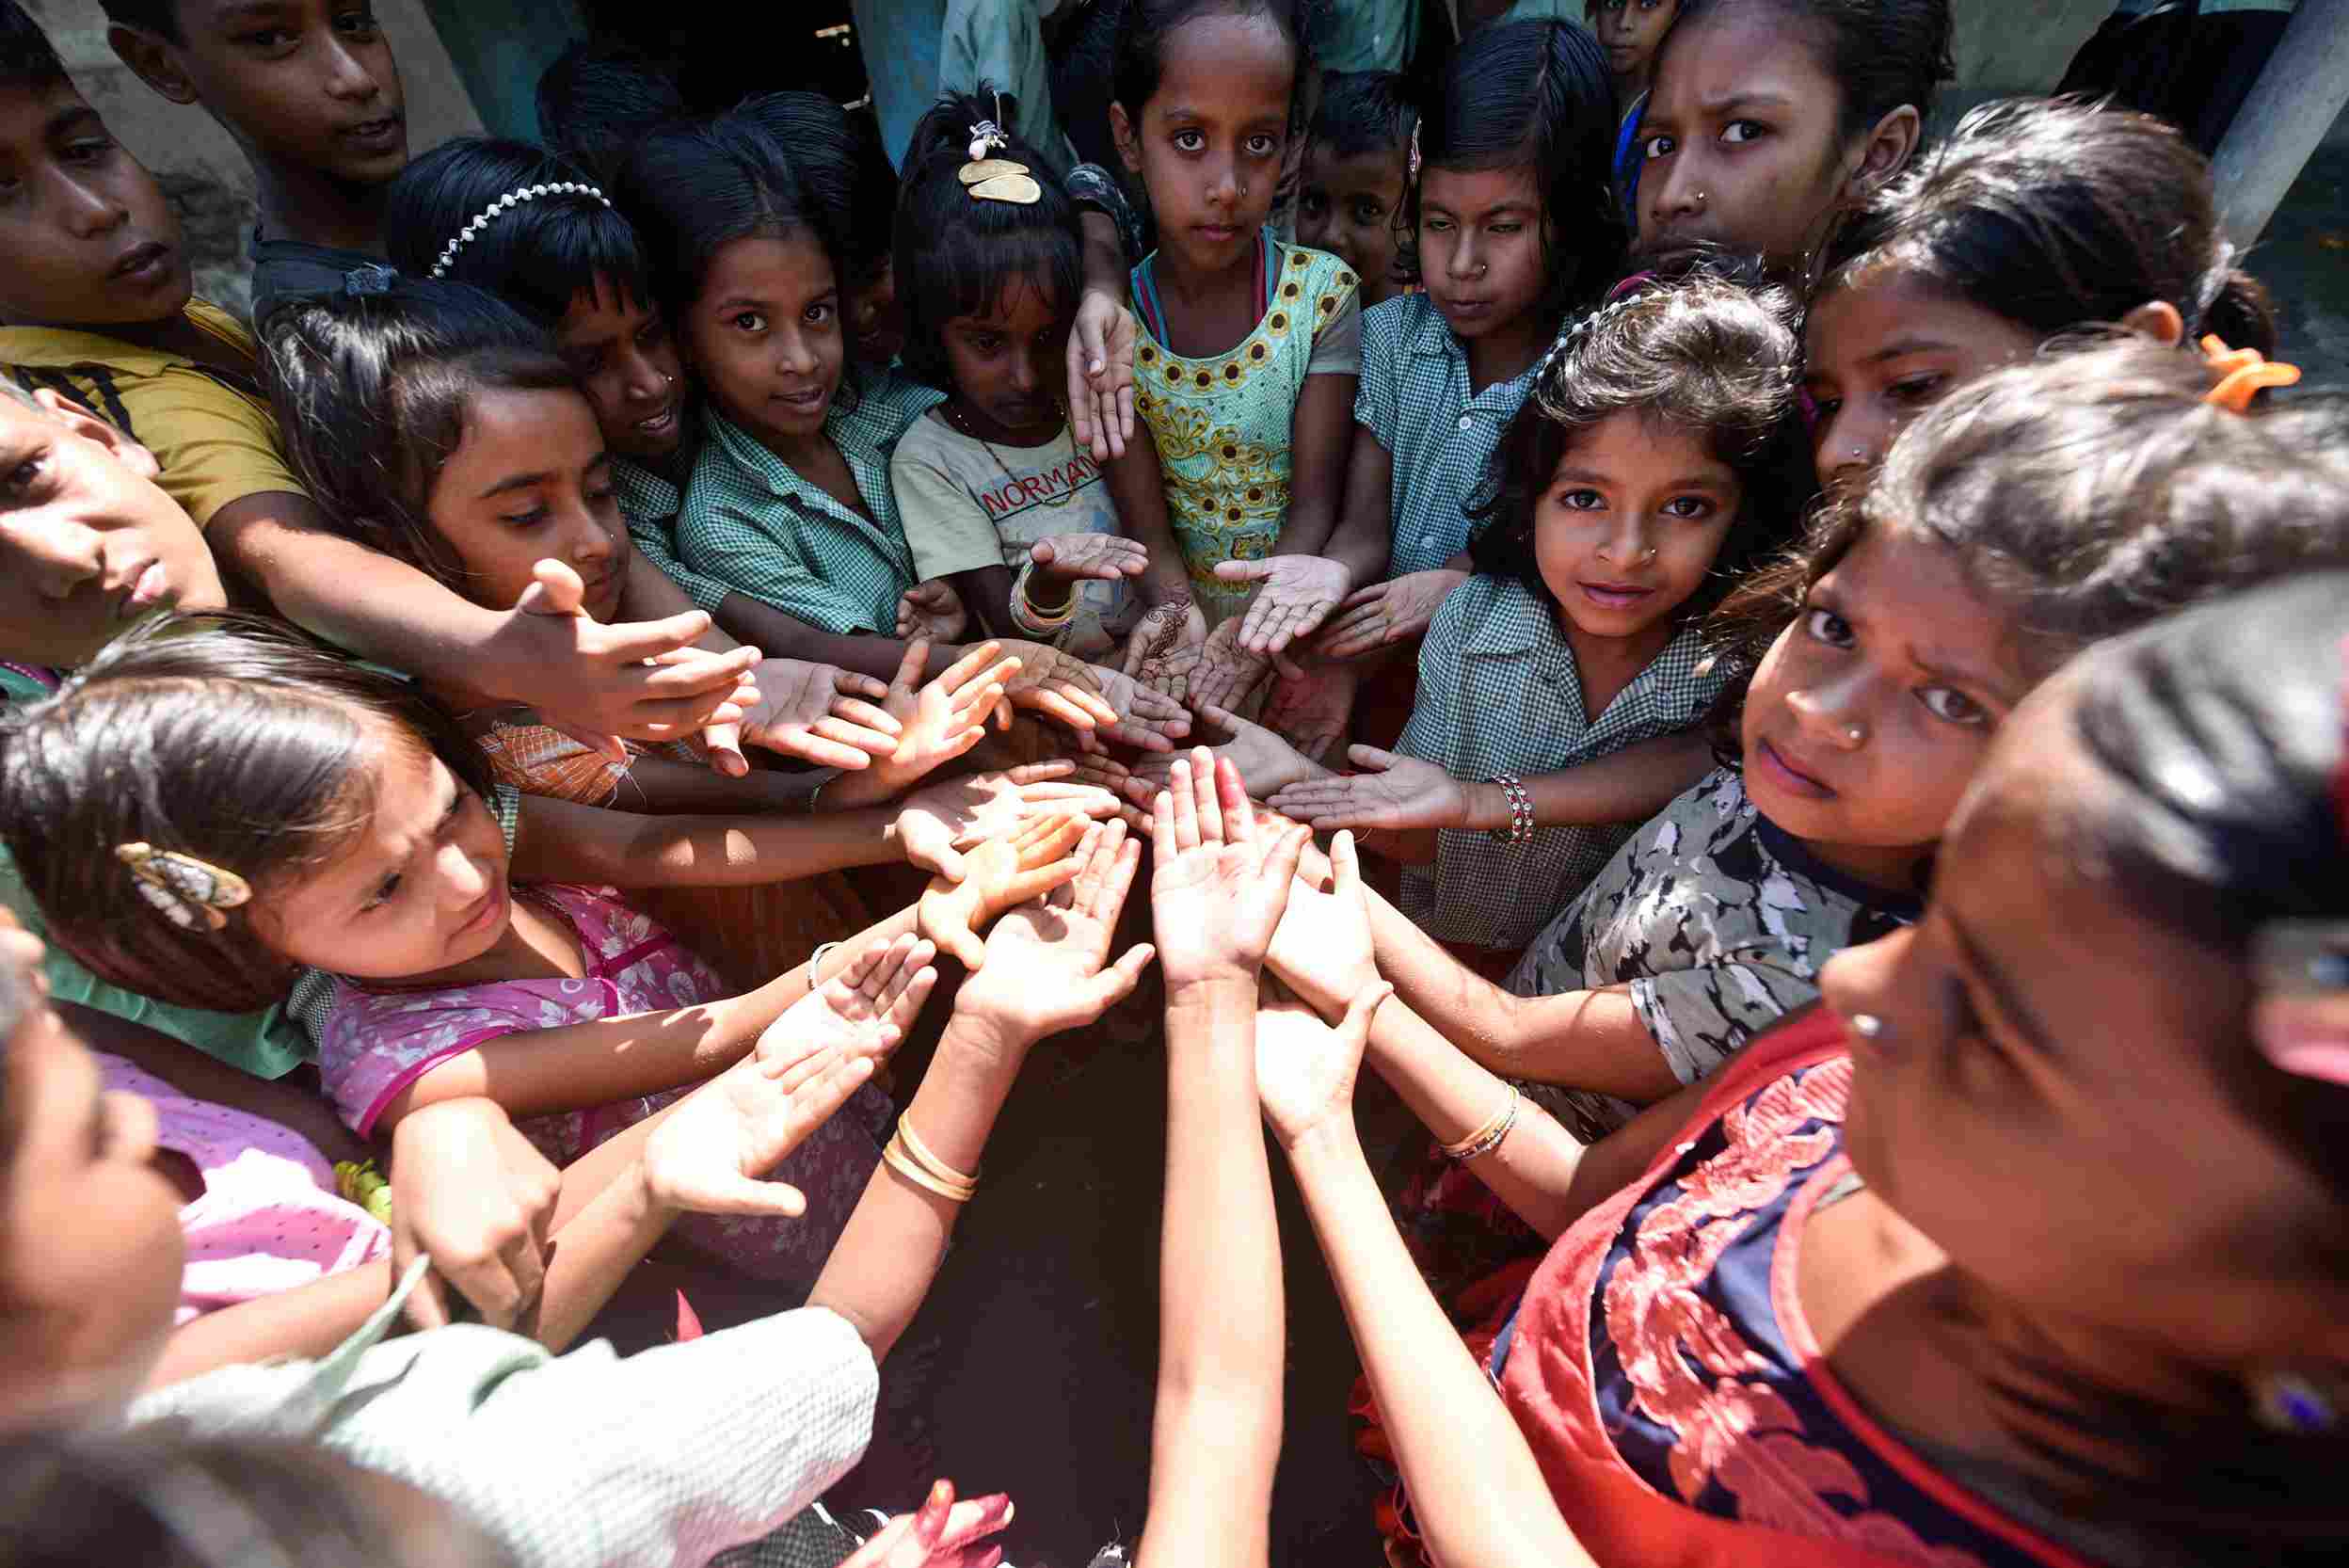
(1357, 161)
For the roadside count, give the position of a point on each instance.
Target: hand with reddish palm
(942, 1533)
(819, 713)
(998, 876)
(1386, 613)
(1267, 763)
(1046, 959)
(931, 610)
(1072, 558)
(1225, 672)
(1397, 793)
(707, 1155)
(1294, 596)
(940, 820)
(937, 723)
(1164, 648)
(1219, 887)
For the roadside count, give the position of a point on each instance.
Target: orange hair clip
(2242, 373)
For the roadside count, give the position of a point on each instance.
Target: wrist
(641, 1198)
(1329, 1147)
(979, 1032)
(1201, 982)
(1484, 808)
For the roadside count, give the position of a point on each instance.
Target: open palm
(1305, 1069)
(1220, 884)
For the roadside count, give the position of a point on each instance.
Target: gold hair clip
(188, 891)
(2243, 375)
(993, 178)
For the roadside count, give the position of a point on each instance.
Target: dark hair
(1363, 111)
(1881, 53)
(695, 187)
(227, 737)
(2056, 213)
(843, 166)
(373, 393)
(159, 17)
(1532, 95)
(28, 58)
(538, 255)
(599, 97)
(157, 1497)
(956, 254)
(2217, 739)
(1142, 28)
(2087, 494)
(1708, 348)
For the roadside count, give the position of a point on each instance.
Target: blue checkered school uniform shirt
(1415, 398)
(752, 523)
(1499, 692)
(650, 504)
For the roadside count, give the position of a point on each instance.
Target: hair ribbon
(2243, 375)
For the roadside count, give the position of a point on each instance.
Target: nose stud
(1867, 1026)
(1697, 200)
(1855, 734)
(1649, 554)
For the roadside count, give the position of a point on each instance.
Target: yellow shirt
(209, 427)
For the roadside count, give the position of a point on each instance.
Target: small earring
(1855, 734)
(668, 380)
(1650, 554)
(2294, 1403)
(1867, 1026)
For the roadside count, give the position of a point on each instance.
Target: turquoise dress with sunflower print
(1222, 422)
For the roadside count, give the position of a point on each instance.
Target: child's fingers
(1345, 866)
(974, 1519)
(1036, 773)
(1162, 839)
(1116, 983)
(910, 1001)
(1238, 818)
(1071, 894)
(1115, 882)
(987, 687)
(1065, 832)
(1243, 572)
(858, 683)
(724, 744)
(1186, 805)
(1054, 705)
(865, 715)
(863, 737)
(1024, 886)
(1280, 863)
(795, 741)
(1372, 758)
(737, 1194)
(954, 936)
(962, 671)
(909, 667)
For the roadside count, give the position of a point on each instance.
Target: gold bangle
(930, 1162)
(1488, 1136)
(894, 1155)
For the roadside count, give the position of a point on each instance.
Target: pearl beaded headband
(499, 208)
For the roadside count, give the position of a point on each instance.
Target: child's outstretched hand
(1296, 594)
(936, 822)
(937, 722)
(1267, 763)
(1165, 647)
(1305, 1069)
(1386, 613)
(1134, 792)
(1397, 792)
(1058, 685)
(1219, 887)
(1076, 557)
(1323, 950)
(1101, 376)
(998, 874)
(942, 1534)
(821, 713)
(1149, 719)
(707, 1155)
(1310, 709)
(642, 681)
(1044, 969)
(477, 1198)
(931, 610)
(1225, 672)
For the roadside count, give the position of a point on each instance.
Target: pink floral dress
(377, 1041)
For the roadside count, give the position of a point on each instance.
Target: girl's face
(1871, 712)
(764, 336)
(532, 482)
(422, 887)
(1480, 250)
(88, 543)
(1743, 143)
(1006, 360)
(1631, 521)
(84, 1308)
(1629, 30)
(2044, 1100)
(1882, 347)
(1209, 143)
(627, 364)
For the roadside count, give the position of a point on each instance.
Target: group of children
(1835, 636)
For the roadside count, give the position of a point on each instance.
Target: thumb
(731, 1193)
(556, 589)
(610, 747)
(1371, 757)
(724, 742)
(1345, 866)
(1243, 572)
(1042, 553)
(959, 939)
(946, 861)
(1116, 983)
(1354, 1028)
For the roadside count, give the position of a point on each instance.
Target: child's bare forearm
(1628, 786)
(658, 786)
(1138, 485)
(559, 840)
(308, 1322)
(1321, 433)
(986, 593)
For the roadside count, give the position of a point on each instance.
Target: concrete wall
(204, 174)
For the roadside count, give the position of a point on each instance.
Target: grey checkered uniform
(1499, 692)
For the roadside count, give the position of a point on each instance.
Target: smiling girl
(1767, 118)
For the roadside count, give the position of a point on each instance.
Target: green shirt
(649, 504)
(265, 1044)
(752, 523)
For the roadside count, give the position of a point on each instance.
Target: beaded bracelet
(1520, 829)
(1490, 1136)
(1040, 621)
